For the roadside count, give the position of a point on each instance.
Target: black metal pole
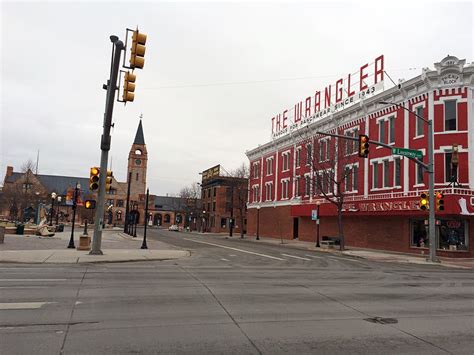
(135, 221)
(144, 246)
(231, 224)
(258, 223)
(57, 214)
(317, 229)
(74, 207)
(52, 211)
(127, 206)
(85, 227)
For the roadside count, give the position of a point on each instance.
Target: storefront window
(452, 234)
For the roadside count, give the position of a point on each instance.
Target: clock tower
(137, 164)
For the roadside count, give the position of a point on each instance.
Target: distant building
(224, 201)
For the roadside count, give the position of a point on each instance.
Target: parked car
(173, 227)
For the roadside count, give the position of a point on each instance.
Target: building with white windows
(293, 173)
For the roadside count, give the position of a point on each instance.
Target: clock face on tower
(138, 161)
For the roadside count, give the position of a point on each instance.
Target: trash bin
(20, 229)
(60, 228)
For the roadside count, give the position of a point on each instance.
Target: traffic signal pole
(118, 46)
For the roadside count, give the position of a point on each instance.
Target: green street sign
(410, 153)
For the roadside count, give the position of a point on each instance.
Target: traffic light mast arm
(417, 161)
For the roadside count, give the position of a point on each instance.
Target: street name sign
(410, 153)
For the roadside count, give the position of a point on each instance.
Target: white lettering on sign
(385, 206)
(364, 83)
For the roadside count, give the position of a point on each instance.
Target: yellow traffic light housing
(94, 179)
(128, 87)
(108, 181)
(439, 201)
(363, 146)
(89, 204)
(137, 56)
(424, 203)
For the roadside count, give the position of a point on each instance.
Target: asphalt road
(236, 296)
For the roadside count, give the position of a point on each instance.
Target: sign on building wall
(345, 92)
(211, 172)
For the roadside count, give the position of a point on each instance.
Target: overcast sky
(215, 73)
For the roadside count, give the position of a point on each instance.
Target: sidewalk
(373, 255)
(116, 247)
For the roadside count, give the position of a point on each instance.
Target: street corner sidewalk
(72, 256)
(409, 259)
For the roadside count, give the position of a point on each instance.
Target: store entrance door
(295, 227)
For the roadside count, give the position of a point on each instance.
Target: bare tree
(332, 170)
(239, 186)
(191, 196)
(19, 195)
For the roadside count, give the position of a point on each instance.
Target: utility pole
(231, 224)
(118, 46)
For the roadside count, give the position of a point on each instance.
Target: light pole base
(71, 246)
(96, 252)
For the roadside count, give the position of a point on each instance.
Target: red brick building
(382, 192)
(224, 201)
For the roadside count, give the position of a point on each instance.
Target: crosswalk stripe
(236, 249)
(23, 305)
(296, 257)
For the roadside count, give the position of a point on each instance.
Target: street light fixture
(431, 218)
(258, 222)
(53, 197)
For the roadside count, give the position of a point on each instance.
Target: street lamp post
(431, 217)
(144, 246)
(203, 228)
(135, 220)
(53, 197)
(74, 207)
(317, 225)
(258, 222)
(57, 211)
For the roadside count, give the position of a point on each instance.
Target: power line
(249, 82)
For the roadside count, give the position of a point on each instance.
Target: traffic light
(424, 203)
(439, 201)
(137, 57)
(108, 181)
(129, 87)
(363, 146)
(94, 179)
(89, 204)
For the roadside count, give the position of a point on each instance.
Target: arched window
(138, 152)
(167, 218)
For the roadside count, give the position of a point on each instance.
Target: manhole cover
(381, 320)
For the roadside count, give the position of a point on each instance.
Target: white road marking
(23, 305)
(236, 249)
(33, 280)
(224, 259)
(78, 302)
(314, 256)
(296, 257)
(232, 255)
(23, 286)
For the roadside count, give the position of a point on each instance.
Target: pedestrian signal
(89, 204)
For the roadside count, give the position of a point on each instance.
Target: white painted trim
(406, 144)
(366, 161)
(451, 132)
(470, 138)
